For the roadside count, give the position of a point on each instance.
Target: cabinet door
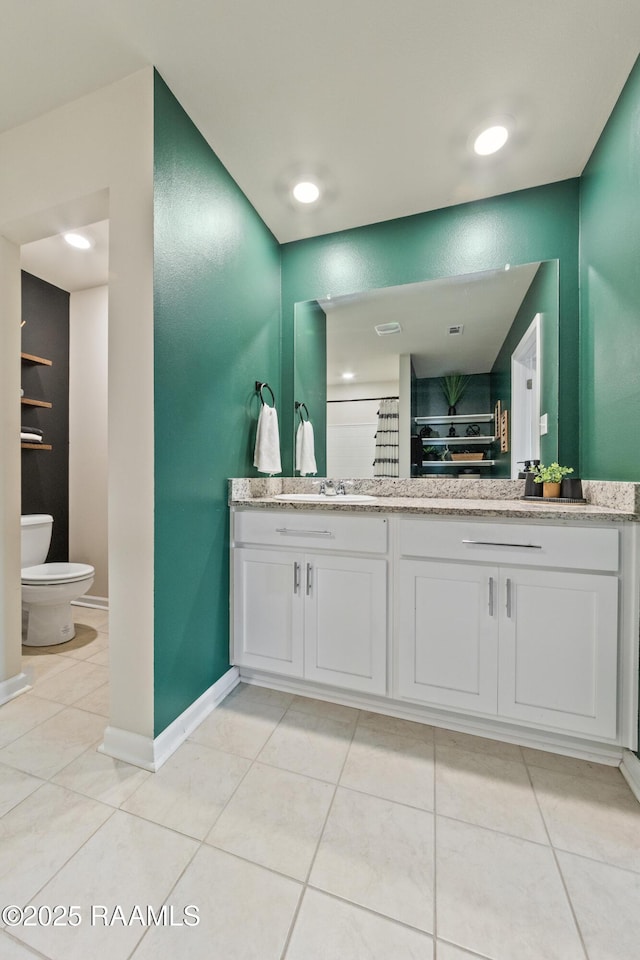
(558, 650)
(346, 622)
(268, 610)
(447, 634)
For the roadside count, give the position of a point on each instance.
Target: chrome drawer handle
(508, 603)
(296, 577)
(490, 596)
(303, 533)
(493, 543)
(308, 579)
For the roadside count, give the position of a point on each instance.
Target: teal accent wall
(610, 295)
(216, 331)
(536, 224)
(541, 297)
(310, 376)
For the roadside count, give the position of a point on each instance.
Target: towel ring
(260, 387)
(300, 407)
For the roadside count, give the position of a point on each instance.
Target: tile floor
(302, 830)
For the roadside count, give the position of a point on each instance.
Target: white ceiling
(53, 260)
(484, 303)
(376, 99)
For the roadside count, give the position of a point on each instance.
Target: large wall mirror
(497, 330)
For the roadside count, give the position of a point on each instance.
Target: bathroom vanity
(497, 617)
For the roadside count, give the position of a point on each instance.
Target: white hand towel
(305, 451)
(266, 457)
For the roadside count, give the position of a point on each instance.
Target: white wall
(90, 160)
(88, 420)
(351, 427)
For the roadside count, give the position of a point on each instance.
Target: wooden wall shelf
(31, 358)
(36, 446)
(36, 403)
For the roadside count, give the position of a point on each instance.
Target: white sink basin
(323, 498)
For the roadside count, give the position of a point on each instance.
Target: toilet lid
(56, 573)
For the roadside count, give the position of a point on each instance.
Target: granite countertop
(608, 502)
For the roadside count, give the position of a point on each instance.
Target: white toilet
(48, 588)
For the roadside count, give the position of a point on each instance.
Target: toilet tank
(35, 538)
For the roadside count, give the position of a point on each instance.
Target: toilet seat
(44, 573)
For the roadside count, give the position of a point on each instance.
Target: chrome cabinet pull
(308, 579)
(490, 596)
(508, 589)
(296, 577)
(492, 543)
(303, 533)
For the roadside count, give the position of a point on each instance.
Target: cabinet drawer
(321, 530)
(580, 548)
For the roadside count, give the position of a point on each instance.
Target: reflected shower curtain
(387, 440)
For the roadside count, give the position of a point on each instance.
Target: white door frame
(526, 364)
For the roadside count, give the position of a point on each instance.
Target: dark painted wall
(610, 295)
(536, 224)
(217, 331)
(45, 473)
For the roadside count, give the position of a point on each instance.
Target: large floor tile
(49, 747)
(275, 818)
(127, 862)
(379, 855)
(40, 664)
(403, 728)
(189, 792)
(15, 786)
(246, 692)
(479, 745)
(11, 949)
(487, 790)
(390, 766)
(102, 777)
(324, 708)
(446, 951)
(501, 896)
(98, 701)
(606, 901)
(239, 726)
(22, 714)
(245, 912)
(91, 616)
(39, 835)
(74, 683)
(590, 817)
(572, 766)
(330, 928)
(309, 744)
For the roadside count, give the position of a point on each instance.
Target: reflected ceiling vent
(457, 330)
(386, 329)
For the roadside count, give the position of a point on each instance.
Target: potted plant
(550, 477)
(453, 386)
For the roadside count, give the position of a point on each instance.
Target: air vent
(457, 330)
(386, 329)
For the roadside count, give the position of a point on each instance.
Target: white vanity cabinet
(310, 597)
(510, 619)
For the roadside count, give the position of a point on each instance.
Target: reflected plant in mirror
(496, 331)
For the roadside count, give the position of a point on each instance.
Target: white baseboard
(86, 600)
(537, 739)
(630, 770)
(150, 753)
(14, 686)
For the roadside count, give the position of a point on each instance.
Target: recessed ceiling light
(348, 375)
(386, 329)
(77, 240)
(491, 140)
(306, 191)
